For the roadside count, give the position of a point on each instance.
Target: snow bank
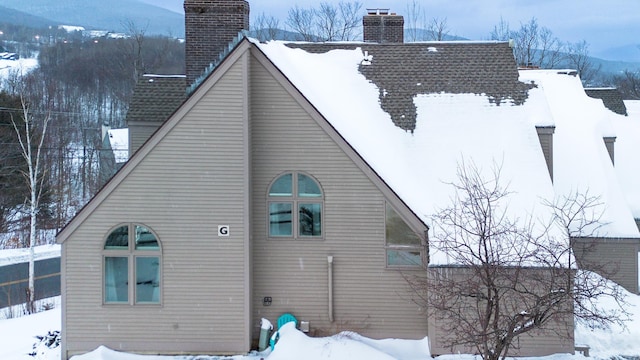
(294, 344)
(19, 334)
(617, 340)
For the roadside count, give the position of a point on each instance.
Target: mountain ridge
(114, 15)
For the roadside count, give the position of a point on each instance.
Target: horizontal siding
(616, 259)
(189, 184)
(556, 337)
(139, 133)
(368, 298)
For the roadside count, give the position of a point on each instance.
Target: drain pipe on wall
(330, 285)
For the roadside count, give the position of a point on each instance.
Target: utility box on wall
(304, 326)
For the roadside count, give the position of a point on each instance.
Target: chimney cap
(377, 11)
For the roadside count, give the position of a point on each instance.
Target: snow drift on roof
(581, 160)
(627, 153)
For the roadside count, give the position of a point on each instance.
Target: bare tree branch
(506, 276)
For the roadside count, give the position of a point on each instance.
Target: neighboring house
(155, 97)
(595, 151)
(301, 178)
(114, 152)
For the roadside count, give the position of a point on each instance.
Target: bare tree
(549, 50)
(327, 22)
(301, 21)
(420, 28)
(507, 276)
(628, 83)
(31, 132)
(414, 15)
(578, 58)
(136, 47)
(533, 45)
(438, 29)
(266, 27)
(349, 19)
(526, 43)
(501, 31)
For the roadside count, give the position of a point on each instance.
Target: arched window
(295, 207)
(132, 259)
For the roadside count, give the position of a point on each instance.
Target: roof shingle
(402, 71)
(155, 97)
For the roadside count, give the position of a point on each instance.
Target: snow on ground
(17, 337)
(21, 66)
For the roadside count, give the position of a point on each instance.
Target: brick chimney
(210, 25)
(383, 27)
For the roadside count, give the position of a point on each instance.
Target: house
(300, 178)
(595, 152)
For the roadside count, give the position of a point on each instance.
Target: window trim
(131, 253)
(295, 200)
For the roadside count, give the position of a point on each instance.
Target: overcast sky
(602, 23)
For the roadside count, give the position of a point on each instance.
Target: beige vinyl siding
(545, 136)
(190, 183)
(368, 298)
(614, 258)
(139, 132)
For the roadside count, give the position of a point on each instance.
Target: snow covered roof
(627, 154)
(581, 160)
(465, 110)
(453, 124)
(119, 140)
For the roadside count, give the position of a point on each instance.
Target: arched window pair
(132, 264)
(295, 207)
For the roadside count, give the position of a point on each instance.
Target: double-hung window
(132, 258)
(404, 247)
(295, 207)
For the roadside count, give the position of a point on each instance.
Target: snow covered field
(17, 337)
(20, 65)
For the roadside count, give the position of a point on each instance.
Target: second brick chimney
(210, 25)
(383, 27)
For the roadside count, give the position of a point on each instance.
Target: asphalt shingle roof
(611, 98)
(155, 97)
(403, 70)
